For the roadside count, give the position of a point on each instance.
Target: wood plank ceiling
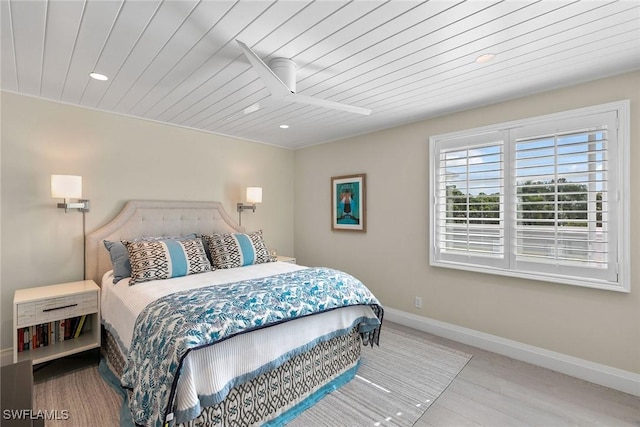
(178, 62)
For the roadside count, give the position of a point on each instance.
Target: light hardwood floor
(491, 390)
(494, 390)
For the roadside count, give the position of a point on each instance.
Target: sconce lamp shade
(254, 194)
(66, 186)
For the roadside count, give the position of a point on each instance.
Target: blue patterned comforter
(167, 329)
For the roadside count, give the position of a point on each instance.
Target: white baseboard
(618, 379)
(6, 357)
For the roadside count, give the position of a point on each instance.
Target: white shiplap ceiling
(178, 62)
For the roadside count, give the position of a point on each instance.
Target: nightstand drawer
(47, 310)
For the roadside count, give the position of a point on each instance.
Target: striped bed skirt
(277, 395)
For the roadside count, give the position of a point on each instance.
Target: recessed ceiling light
(284, 126)
(485, 58)
(98, 76)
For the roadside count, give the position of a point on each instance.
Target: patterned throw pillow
(229, 250)
(164, 259)
(120, 257)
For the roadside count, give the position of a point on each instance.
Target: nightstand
(288, 259)
(44, 314)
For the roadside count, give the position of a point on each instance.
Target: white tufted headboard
(147, 218)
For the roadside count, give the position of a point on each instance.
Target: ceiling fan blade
(269, 78)
(295, 97)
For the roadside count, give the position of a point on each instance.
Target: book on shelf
(78, 330)
(44, 331)
(26, 338)
(39, 334)
(68, 327)
(61, 327)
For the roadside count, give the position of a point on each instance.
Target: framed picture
(348, 203)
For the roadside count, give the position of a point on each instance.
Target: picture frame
(348, 203)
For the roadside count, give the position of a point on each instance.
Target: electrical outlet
(418, 302)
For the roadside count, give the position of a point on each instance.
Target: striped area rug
(395, 385)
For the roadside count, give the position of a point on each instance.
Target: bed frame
(267, 396)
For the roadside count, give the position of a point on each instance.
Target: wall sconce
(254, 195)
(68, 187)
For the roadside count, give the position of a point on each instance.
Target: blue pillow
(119, 260)
(120, 256)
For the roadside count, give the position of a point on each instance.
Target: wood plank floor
(494, 390)
(491, 390)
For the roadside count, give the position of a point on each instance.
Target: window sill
(543, 277)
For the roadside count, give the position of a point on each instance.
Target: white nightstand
(48, 305)
(288, 259)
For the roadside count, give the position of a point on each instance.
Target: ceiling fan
(280, 79)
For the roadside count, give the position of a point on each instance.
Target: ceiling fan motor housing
(285, 69)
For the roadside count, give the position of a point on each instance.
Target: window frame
(618, 173)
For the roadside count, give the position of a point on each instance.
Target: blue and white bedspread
(170, 327)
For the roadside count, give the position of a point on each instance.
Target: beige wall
(392, 257)
(120, 158)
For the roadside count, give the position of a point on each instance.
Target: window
(544, 198)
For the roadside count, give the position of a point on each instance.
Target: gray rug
(395, 385)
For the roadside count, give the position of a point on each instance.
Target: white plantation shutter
(538, 198)
(470, 205)
(562, 197)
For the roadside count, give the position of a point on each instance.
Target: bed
(249, 345)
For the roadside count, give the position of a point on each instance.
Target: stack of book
(36, 336)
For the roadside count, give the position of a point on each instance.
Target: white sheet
(234, 358)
